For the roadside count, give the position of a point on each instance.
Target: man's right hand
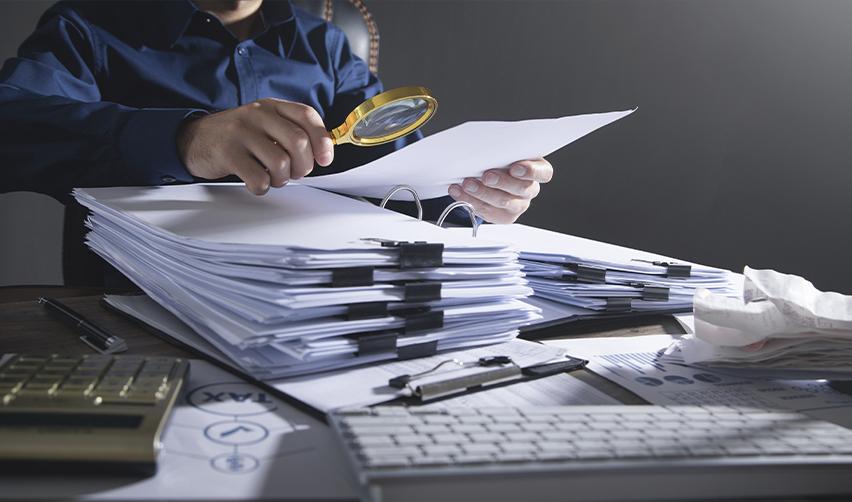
(265, 143)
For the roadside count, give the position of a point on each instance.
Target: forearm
(52, 144)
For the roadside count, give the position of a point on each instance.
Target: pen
(92, 335)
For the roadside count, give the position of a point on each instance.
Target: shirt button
(168, 179)
(241, 51)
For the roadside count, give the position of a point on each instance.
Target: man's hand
(502, 195)
(265, 143)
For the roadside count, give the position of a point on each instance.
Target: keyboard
(94, 409)
(594, 453)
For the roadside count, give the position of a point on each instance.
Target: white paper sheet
(467, 150)
(640, 365)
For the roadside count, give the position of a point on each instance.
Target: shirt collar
(170, 18)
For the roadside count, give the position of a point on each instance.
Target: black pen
(92, 335)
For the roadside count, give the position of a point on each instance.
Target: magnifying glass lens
(391, 118)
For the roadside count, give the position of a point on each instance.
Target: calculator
(101, 410)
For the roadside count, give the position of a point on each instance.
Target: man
(153, 93)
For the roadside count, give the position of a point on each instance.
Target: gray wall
(737, 155)
(30, 224)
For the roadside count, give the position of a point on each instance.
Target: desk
(25, 326)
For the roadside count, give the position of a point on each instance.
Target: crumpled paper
(781, 321)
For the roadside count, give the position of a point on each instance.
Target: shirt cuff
(148, 146)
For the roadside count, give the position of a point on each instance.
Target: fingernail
(455, 191)
(491, 179)
(324, 159)
(471, 187)
(518, 170)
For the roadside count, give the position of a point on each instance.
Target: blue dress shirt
(97, 93)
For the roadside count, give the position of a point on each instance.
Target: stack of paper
(303, 280)
(780, 321)
(596, 279)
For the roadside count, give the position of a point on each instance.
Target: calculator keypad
(97, 379)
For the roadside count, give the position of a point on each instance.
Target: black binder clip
(618, 305)
(351, 277)
(376, 343)
(370, 310)
(672, 269)
(587, 273)
(417, 254)
(421, 291)
(421, 319)
(652, 292)
(416, 350)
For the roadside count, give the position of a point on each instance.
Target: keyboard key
(411, 439)
(469, 458)
(387, 461)
(442, 449)
(437, 460)
(480, 448)
(449, 438)
(486, 437)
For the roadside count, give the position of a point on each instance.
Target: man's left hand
(502, 195)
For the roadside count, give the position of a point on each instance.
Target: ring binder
(474, 224)
(407, 188)
(444, 214)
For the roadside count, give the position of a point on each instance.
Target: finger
(252, 173)
(484, 210)
(275, 159)
(310, 121)
(501, 180)
(491, 196)
(538, 170)
(294, 140)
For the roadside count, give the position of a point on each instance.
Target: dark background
(739, 152)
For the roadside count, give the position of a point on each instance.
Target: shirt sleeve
(59, 133)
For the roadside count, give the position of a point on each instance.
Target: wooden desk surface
(27, 327)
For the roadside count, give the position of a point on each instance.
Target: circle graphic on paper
(707, 378)
(649, 381)
(235, 433)
(234, 463)
(232, 399)
(681, 380)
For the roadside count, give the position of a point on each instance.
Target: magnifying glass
(386, 117)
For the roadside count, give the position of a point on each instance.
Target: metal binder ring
(407, 188)
(470, 211)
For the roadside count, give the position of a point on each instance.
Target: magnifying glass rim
(345, 133)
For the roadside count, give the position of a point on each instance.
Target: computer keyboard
(592, 453)
(94, 409)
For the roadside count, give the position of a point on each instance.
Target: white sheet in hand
(467, 150)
